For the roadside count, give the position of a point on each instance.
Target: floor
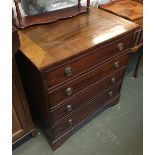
(116, 131)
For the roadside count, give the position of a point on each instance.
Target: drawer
(102, 99)
(74, 103)
(61, 74)
(61, 94)
(68, 122)
(85, 111)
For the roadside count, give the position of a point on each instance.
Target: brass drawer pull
(113, 80)
(116, 65)
(110, 93)
(70, 122)
(68, 91)
(120, 46)
(69, 108)
(68, 71)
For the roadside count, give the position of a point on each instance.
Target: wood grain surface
(48, 44)
(129, 9)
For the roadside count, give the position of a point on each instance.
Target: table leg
(137, 64)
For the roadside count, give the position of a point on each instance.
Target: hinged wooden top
(48, 44)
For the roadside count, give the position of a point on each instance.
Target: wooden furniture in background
(140, 57)
(131, 10)
(21, 21)
(21, 119)
(73, 69)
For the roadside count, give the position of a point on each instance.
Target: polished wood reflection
(48, 44)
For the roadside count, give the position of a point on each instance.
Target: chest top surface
(49, 44)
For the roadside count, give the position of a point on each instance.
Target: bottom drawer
(88, 108)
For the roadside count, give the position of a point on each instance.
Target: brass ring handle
(120, 46)
(69, 108)
(70, 122)
(116, 65)
(110, 93)
(113, 80)
(68, 91)
(68, 71)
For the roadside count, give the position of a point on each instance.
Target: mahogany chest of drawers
(74, 68)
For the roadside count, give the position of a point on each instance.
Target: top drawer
(60, 74)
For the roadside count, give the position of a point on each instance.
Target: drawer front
(74, 103)
(68, 122)
(102, 99)
(64, 93)
(76, 66)
(85, 111)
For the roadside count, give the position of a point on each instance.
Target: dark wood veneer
(56, 75)
(56, 143)
(58, 96)
(88, 107)
(77, 101)
(102, 99)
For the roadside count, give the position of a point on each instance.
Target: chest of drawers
(73, 69)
